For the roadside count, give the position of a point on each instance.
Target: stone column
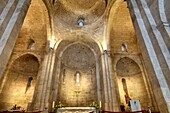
(107, 69)
(41, 88)
(56, 79)
(98, 80)
(113, 87)
(10, 30)
(49, 84)
(152, 58)
(105, 85)
(47, 81)
(111, 84)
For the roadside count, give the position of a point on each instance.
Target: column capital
(108, 52)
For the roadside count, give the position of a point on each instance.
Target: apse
(77, 79)
(19, 83)
(131, 83)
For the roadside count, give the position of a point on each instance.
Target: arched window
(80, 21)
(30, 79)
(31, 44)
(124, 47)
(124, 85)
(77, 77)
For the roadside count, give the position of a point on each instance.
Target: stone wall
(90, 57)
(18, 86)
(77, 81)
(31, 42)
(74, 93)
(124, 45)
(128, 70)
(123, 32)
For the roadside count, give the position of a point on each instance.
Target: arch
(128, 64)
(17, 89)
(62, 47)
(24, 58)
(135, 58)
(76, 83)
(87, 37)
(27, 53)
(135, 87)
(111, 12)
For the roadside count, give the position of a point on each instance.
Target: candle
(100, 104)
(53, 104)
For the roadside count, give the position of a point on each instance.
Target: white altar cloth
(76, 110)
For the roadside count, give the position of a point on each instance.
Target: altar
(77, 110)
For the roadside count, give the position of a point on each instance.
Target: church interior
(85, 53)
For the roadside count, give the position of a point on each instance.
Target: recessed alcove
(131, 83)
(77, 77)
(19, 83)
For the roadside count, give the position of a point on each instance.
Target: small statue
(14, 107)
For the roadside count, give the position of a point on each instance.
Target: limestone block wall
(77, 91)
(124, 45)
(128, 70)
(122, 32)
(77, 81)
(32, 40)
(19, 83)
(33, 34)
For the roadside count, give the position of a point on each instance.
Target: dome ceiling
(69, 11)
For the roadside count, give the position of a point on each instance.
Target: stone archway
(82, 56)
(20, 83)
(77, 86)
(131, 84)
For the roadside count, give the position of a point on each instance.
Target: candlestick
(100, 104)
(53, 104)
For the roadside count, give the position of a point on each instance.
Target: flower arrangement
(59, 105)
(94, 104)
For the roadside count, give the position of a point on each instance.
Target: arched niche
(131, 83)
(77, 68)
(78, 86)
(20, 83)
